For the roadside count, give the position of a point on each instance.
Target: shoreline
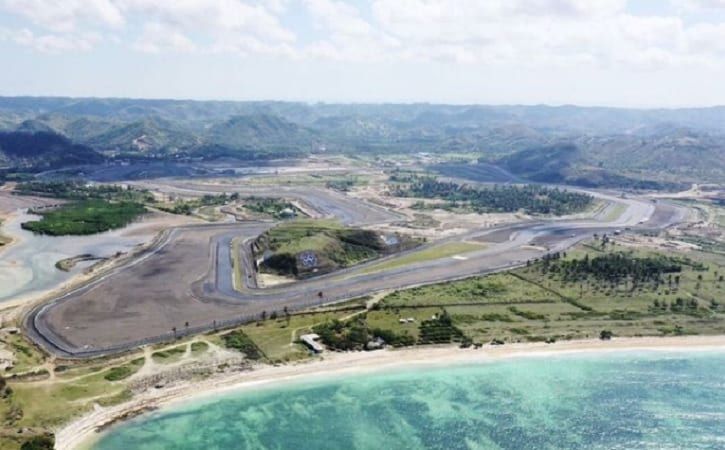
(24, 302)
(82, 432)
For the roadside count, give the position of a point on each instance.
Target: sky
(630, 53)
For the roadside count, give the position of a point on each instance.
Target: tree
(606, 335)
(39, 443)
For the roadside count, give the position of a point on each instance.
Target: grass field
(436, 252)
(614, 212)
(277, 338)
(528, 304)
(237, 270)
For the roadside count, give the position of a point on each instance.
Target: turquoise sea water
(612, 401)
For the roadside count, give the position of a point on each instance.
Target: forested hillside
(606, 147)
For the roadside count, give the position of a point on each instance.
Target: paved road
(153, 299)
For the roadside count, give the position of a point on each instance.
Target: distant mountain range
(565, 144)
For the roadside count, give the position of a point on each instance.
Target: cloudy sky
(646, 53)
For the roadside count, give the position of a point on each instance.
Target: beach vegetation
(169, 355)
(238, 340)
(122, 372)
(199, 347)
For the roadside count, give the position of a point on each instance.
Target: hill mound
(303, 248)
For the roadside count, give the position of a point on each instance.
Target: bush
(439, 330)
(241, 342)
(39, 443)
(352, 335)
(118, 373)
(395, 339)
(124, 371)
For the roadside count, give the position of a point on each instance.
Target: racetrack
(185, 284)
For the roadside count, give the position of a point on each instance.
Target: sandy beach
(83, 431)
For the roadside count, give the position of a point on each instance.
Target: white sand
(83, 430)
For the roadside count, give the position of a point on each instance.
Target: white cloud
(50, 43)
(338, 17)
(157, 38)
(699, 4)
(165, 24)
(62, 16)
(516, 33)
(212, 16)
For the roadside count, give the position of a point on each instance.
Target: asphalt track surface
(184, 285)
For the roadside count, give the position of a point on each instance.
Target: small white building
(310, 340)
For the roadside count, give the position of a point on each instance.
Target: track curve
(184, 284)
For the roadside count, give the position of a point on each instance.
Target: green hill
(259, 131)
(145, 136)
(303, 248)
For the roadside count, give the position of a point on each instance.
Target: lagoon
(28, 266)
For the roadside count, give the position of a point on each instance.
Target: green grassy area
(492, 289)
(238, 340)
(272, 207)
(277, 338)
(436, 252)
(169, 355)
(27, 356)
(237, 270)
(534, 303)
(85, 217)
(39, 406)
(199, 347)
(124, 371)
(327, 244)
(614, 212)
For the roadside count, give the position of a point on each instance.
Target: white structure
(310, 340)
